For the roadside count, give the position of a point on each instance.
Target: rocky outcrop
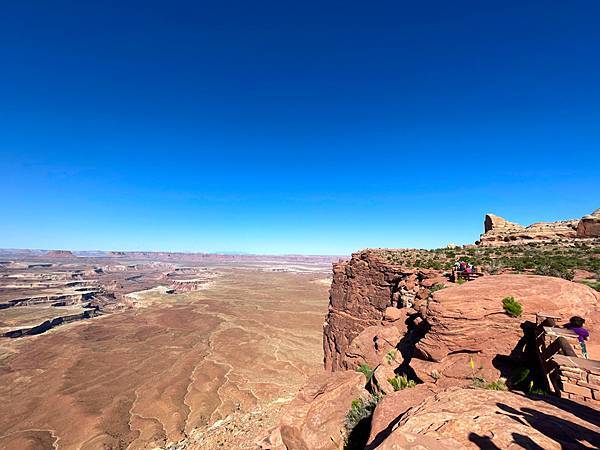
(391, 408)
(499, 231)
(315, 418)
(362, 289)
(61, 319)
(389, 318)
(479, 418)
(189, 285)
(468, 322)
(498, 224)
(59, 254)
(589, 226)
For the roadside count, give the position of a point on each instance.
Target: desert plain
(205, 354)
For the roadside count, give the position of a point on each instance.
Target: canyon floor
(208, 368)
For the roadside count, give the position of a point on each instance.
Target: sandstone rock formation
(316, 416)
(497, 223)
(589, 226)
(468, 322)
(479, 418)
(499, 231)
(391, 408)
(387, 317)
(361, 291)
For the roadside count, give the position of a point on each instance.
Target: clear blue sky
(301, 127)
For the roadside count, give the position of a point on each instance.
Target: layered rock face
(362, 289)
(499, 231)
(589, 226)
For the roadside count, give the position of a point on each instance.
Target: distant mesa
(589, 226)
(60, 254)
(115, 253)
(499, 231)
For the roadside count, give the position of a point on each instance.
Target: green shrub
(437, 287)
(400, 382)
(520, 376)
(549, 270)
(460, 281)
(499, 385)
(366, 371)
(593, 284)
(391, 356)
(533, 390)
(512, 307)
(360, 409)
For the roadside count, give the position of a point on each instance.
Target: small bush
(533, 390)
(512, 307)
(366, 371)
(391, 356)
(400, 382)
(460, 281)
(361, 409)
(553, 271)
(520, 376)
(479, 381)
(593, 284)
(499, 385)
(436, 287)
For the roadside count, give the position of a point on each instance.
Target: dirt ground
(213, 367)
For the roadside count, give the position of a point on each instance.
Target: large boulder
(589, 226)
(315, 418)
(496, 223)
(469, 327)
(479, 418)
(390, 410)
(401, 440)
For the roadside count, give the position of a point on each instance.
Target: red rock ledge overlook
(415, 359)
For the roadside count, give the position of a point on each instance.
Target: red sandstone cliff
(385, 316)
(362, 289)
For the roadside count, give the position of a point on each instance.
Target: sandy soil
(214, 367)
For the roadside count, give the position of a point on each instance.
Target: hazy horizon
(279, 128)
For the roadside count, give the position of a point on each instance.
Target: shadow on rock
(567, 433)
(483, 442)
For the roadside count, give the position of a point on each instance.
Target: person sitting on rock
(576, 325)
